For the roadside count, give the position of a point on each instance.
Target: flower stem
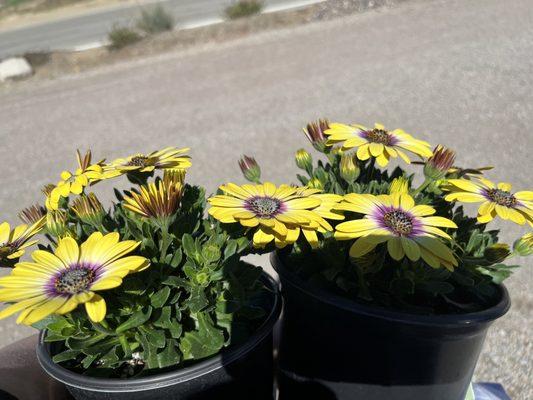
(424, 185)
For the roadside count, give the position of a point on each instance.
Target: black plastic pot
(243, 372)
(334, 348)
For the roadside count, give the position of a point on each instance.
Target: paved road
(91, 28)
(451, 72)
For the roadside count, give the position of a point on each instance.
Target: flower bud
(349, 170)
(314, 131)
(399, 185)
(439, 163)
(250, 169)
(304, 160)
(524, 246)
(496, 253)
(315, 183)
(32, 214)
(56, 224)
(89, 209)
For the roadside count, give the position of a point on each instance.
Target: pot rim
(116, 385)
(443, 320)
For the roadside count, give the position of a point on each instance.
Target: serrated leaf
(138, 318)
(66, 355)
(159, 298)
(169, 356)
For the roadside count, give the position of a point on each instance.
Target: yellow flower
(168, 158)
(405, 227)
(14, 242)
(278, 213)
(55, 283)
(495, 199)
(399, 185)
(74, 183)
(377, 142)
(159, 199)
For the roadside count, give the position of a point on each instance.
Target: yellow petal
(96, 308)
(411, 249)
(363, 153)
(68, 251)
(439, 221)
(394, 246)
(361, 247)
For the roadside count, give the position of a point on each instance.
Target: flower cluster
(384, 239)
(143, 280)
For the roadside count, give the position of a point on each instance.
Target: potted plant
(170, 310)
(393, 297)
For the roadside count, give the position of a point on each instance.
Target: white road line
(289, 6)
(199, 23)
(210, 21)
(90, 46)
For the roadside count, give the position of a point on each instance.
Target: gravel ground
(448, 71)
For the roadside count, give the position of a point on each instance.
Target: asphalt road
(92, 28)
(451, 71)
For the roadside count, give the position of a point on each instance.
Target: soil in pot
(335, 348)
(241, 372)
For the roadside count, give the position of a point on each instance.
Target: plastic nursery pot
(243, 372)
(334, 348)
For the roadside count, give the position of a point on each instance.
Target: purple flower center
(73, 280)
(379, 136)
(264, 206)
(501, 197)
(399, 222)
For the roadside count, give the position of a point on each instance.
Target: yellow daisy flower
(377, 142)
(169, 157)
(14, 242)
(157, 200)
(74, 183)
(495, 199)
(407, 228)
(278, 213)
(55, 283)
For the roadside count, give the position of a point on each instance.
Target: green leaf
(176, 259)
(206, 341)
(159, 298)
(230, 249)
(197, 299)
(169, 356)
(155, 337)
(138, 318)
(66, 355)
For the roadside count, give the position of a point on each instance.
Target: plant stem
(424, 185)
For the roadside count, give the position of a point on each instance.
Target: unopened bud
(496, 253)
(314, 131)
(349, 170)
(315, 183)
(524, 246)
(304, 160)
(439, 163)
(399, 185)
(250, 169)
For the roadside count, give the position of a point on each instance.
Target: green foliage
(155, 20)
(243, 8)
(122, 36)
(404, 285)
(196, 298)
